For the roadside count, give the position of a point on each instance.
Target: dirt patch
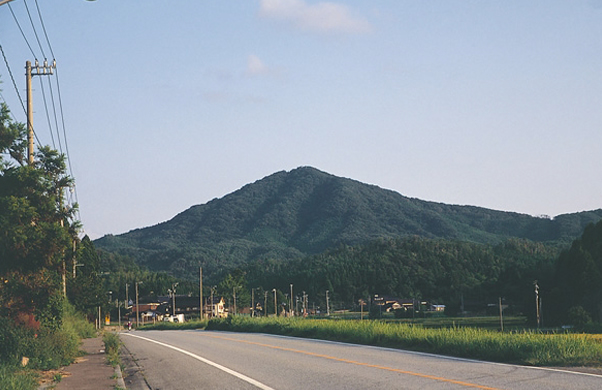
(47, 377)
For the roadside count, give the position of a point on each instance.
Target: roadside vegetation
(196, 324)
(112, 345)
(24, 351)
(525, 347)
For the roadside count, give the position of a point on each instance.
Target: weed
(531, 348)
(112, 344)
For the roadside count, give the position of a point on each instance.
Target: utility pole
(127, 299)
(292, 310)
(327, 304)
(75, 263)
(173, 287)
(234, 298)
(45, 70)
(137, 306)
(252, 302)
(275, 303)
(265, 303)
(536, 301)
(501, 315)
(202, 312)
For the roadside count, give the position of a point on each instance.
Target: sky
(170, 104)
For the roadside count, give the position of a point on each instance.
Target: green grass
(442, 321)
(112, 344)
(529, 348)
(13, 378)
(196, 324)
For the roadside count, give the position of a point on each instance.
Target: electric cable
(20, 29)
(33, 27)
(47, 115)
(17, 90)
(56, 123)
(13, 80)
(44, 29)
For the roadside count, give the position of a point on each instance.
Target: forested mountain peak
(305, 211)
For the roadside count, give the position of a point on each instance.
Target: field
(519, 347)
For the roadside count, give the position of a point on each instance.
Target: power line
(73, 191)
(44, 29)
(20, 29)
(33, 27)
(13, 80)
(47, 115)
(56, 123)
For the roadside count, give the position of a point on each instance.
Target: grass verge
(176, 325)
(528, 348)
(112, 345)
(13, 378)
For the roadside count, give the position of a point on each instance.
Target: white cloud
(255, 66)
(319, 17)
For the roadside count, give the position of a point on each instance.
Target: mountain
(292, 214)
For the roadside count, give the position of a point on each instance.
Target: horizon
(487, 104)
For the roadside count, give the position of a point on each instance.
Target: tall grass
(196, 324)
(530, 348)
(17, 379)
(46, 348)
(112, 344)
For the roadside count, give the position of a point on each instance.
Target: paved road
(223, 360)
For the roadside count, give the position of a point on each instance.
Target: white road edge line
(445, 357)
(209, 362)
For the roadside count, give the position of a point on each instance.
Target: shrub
(15, 342)
(112, 344)
(578, 316)
(18, 379)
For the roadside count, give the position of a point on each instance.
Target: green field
(525, 347)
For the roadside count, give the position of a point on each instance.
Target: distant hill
(305, 211)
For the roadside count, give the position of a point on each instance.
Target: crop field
(520, 347)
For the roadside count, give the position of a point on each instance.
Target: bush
(15, 342)
(48, 347)
(18, 379)
(77, 323)
(578, 316)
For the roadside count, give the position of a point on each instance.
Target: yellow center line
(437, 378)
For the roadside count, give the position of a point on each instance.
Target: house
(390, 304)
(215, 308)
(147, 311)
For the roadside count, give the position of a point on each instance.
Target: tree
(36, 229)
(86, 291)
(578, 276)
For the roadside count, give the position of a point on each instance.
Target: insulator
(45, 63)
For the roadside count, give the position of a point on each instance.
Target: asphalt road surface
(224, 360)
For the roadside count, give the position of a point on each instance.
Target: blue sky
(495, 104)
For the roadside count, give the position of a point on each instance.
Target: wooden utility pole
(501, 315)
(202, 311)
(29, 113)
(44, 70)
(234, 298)
(137, 307)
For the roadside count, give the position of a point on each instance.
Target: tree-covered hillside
(440, 271)
(293, 214)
